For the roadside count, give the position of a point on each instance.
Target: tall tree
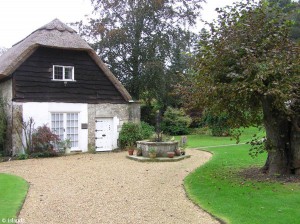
(248, 68)
(143, 41)
(293, 8)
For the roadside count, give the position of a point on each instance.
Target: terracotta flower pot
(177, 152)
(171, 154)
(130, 152)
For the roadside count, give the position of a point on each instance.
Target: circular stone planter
(162, 148)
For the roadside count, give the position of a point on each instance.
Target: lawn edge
(26, 194)
(24, 199)
(220, 220)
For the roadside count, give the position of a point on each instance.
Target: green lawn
(218, 189)
(13, 191)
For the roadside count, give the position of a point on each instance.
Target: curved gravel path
(107, 188)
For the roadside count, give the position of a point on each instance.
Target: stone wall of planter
(161, 147)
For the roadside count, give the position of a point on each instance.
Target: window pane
(57, 124)
(68, 72)
(72, 128)
(58, 72)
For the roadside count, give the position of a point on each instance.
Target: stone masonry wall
(17, 147)
(6, 94)
(124, 112)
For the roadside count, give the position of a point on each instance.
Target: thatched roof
(57, 35)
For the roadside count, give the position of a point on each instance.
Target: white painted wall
(41, 113)
(116, 123)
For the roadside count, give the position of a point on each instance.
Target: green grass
(218, 189)
(13, 191)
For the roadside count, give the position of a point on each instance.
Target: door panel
(103, 134)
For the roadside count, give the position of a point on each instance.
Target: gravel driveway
(107, 188)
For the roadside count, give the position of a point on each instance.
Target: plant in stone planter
(152, 153)
(171, 154)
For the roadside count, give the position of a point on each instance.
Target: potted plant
(171, 154)
(65, 146)
(177, 152)
(182, 150)
(139, 152)
(152, 153)
(130, 149)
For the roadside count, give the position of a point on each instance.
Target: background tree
(291, 7)
(175, 122)
(143, 42)
(248, 68)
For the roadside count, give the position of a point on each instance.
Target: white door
(104, 134)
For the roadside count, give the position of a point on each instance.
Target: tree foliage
(217, 124)
(143, 42)
(248, 68)
(293, 9)
(175, 122)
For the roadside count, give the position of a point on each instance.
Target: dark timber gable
(32, 80)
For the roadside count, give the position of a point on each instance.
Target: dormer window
(63, 73)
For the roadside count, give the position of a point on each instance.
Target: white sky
(18, 18)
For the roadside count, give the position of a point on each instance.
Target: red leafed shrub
(43, 139)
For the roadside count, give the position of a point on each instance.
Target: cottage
(56, 78)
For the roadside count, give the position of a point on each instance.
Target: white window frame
(66, 126)
(63, 75)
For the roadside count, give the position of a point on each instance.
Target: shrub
(132, 132)
(200, 131)
(43, 139)
(146, 130)
(176, 122)
(44, 154)
(129, 134)
(23, 156)
(217, 124)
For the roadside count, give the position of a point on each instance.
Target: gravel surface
(107, 188)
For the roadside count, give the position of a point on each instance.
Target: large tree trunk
(295, 144)
(282, 141)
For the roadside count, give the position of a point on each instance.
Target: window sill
(63, 80)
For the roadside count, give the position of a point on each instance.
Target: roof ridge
(55, 24)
